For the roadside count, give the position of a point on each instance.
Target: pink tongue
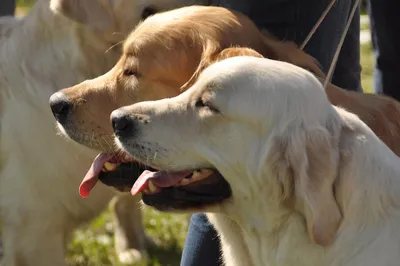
(160, 179)
(91, 177)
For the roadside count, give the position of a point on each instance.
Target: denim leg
(202, 244)
(7, 7)
(385, 30)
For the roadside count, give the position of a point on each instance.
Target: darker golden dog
(164, 55)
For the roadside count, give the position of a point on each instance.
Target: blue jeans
(7, 7)
(385, 31)
(289, 20)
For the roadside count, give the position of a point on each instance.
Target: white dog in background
(6, 24)
(301, 182)
(50, 49)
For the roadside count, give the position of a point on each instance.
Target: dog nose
(60, 106)
(122, 123)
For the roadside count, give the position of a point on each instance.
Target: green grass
(25, 3)
(93, 246)
(23, 6)
(367, 64)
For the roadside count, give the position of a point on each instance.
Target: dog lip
(198, 195)
(124, 176)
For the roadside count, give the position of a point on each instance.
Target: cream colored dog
(49, 49)
(292, 180)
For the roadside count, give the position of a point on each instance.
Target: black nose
(60, 106)
(122, 123)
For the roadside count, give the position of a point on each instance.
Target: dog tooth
(201, 174)
(110, 166)
(184, 182)
(146, 191)
(152, 187)
(196, 174)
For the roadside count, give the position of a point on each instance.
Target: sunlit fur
(311, 184)
(169, 50)
(39, 171)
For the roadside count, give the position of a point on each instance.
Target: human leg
(7, 7)
(385, 29)
(202, 243)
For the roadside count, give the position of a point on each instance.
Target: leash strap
(316, 26)
(336, 56)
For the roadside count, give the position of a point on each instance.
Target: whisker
(106, 142)
(113, 46)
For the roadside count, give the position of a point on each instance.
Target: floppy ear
(236, 51)
(93, 13)
(210, 50)
(306, 163)
(212, 54)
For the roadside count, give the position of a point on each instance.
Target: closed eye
(204, 104)
(130, 72)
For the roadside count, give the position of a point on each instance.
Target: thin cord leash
(338, 49)
(336, 56)
(316, 26)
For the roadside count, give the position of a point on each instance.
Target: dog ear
(92, 13)
(306, 164)
(236, 51)
(210, 50)
(212, 54)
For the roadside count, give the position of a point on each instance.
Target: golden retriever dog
(162, 57)
(307, 183)
(51, 48)
(7, 23)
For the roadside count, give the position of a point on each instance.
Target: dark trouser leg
(385, 29)
(202, 243)
(293, 20)
(7, 7)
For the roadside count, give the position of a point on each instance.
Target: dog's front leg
(131, 241)
(33, 244)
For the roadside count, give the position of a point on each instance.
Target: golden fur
(165, 54)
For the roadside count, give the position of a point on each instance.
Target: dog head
(162, 58)
(114, 19)
(260, 131)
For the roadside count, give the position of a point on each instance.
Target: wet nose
(60, 106)
(122, 123)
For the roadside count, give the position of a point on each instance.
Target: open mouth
(113, 169)
(160, 189)
(192, 189)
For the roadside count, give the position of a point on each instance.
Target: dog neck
(276, 235)
(273, 235)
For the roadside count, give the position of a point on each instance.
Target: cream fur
(312, 184)
(40, 171)
(7, 23)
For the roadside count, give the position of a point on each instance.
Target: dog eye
(130, 72)
(201, 103)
